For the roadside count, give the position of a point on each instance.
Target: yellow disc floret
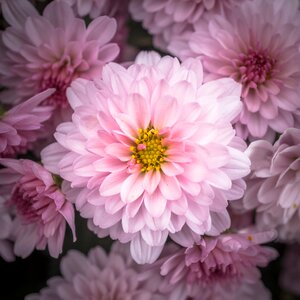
(148, 150)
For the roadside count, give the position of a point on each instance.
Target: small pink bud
(141, 147)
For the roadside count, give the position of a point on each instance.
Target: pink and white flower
(150, 149)
(20, 127)
(50, 51)
(39, 207)
(259, 52)
(273, 187)
(166, 19)
(100, 276)
(224, 267)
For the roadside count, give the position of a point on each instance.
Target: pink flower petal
(151, 181)
(143, 253)
(155, 203)
(132, 187)
(102, 29)
(170, 188)
(112, 184)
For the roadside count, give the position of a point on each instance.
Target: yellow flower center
(148, 150)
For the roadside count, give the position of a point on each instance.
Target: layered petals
(51, 50)
(21, 126)
(38, 208)
(225, 267)
(167, 19)
(234, 45)
(100, 276)
(274, 184)
(148, 156)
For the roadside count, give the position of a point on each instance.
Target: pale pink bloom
(39, 207)
(257, 45)
(20, 127)
(290, 270)
(50, 51)
(273, 187)
(166, 19)
(224, 267)
(149, 149)
(100, 276)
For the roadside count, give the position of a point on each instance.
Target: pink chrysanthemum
(225, 267)
(259, 52)
(290, 272)
(50, 51)
(100, 276)
(166, 19)
(39, 207)
(273, 187)
(20, 126)
(150, 149)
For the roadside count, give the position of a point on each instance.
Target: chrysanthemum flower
(39, 207)
(150, 149)
(290, 271)
(225, 267)
(166, 19)
(273, 187)
(259, 52)
(99, 276)
(20, 126)
(50, 51)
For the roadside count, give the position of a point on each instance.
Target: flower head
(20, 126)
(225, 267)
(150, 149)
(50, 51)
(273, 187)
(39, 207)
(99, 276)
(260, 53)
(166, 19)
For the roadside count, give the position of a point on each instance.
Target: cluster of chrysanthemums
(190, 160)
